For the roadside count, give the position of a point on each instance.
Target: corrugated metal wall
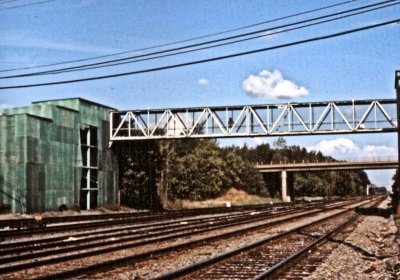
(41, 155)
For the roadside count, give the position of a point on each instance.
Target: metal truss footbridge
(312, 118)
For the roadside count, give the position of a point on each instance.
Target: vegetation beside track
(154, 175)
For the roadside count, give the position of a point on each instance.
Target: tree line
(396, 193)
(154, 173)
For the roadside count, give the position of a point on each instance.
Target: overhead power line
(185, 40)
(26, 5)
(139, 58)
(8, 1)
(103, 65)
(320, 38)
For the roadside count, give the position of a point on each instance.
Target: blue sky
(357, 66)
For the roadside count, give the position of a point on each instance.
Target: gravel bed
(158, 265)
(71, 232)
(48, 269)
(162, 264)
(370, 252)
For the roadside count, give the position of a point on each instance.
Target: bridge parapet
(377, 159)
(357, 164)
(334, 117)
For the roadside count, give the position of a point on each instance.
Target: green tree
(139, 168)
(199, 175)
(280, 143)
(241, 174)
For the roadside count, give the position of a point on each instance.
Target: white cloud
(272, 85)
(240, 142)
(343, 148)
(259, 141)
(337, 146)
(381, 177)
(203, 82)
(379, 151)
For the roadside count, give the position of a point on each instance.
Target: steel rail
(32, 226)
(147, 231)
(305, 249)
(132, 241)
(24, 245)
(197, 266)
(321, 240)
(274, 210)
(140, 256)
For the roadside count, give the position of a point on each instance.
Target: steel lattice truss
(362, 116)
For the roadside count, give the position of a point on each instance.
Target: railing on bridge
(331, 160)
(336, 117)
(385, 162)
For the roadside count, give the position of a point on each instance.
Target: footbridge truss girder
(334, 117)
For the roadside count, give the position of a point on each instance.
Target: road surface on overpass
(352, 164)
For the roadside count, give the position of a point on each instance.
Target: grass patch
(233, 196)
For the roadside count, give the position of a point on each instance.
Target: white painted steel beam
(333, 117)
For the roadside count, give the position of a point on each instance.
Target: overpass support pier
(287, 191)
(284, 185)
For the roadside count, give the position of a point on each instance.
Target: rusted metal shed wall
(41, 155)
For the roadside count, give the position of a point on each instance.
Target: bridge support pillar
(284, 185)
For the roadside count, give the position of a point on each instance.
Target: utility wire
(108, 63)
(26, 5)
(185, 40)
(8, 1)
(314, 39)
(204, 48)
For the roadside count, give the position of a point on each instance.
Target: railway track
(30, 226)
(137, 234)
(306, 264)
(20, 255)
(273, 257)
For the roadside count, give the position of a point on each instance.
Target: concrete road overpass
(355, 164)
(384, 163)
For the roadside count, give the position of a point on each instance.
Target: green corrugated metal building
(56, 152)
